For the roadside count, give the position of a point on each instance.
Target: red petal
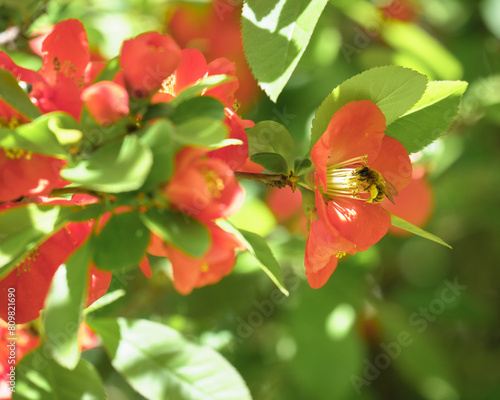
(99, 281)
(414, 204)
(145, 267)
(192, 68)
(357, 129)
(224, 92)
(33, 277)
(23, 177)
(65, 52)
(393, 163)
(234, 156)
(147, 61)
(361, 223)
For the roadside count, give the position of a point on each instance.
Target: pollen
(215, 184)
(343, 179)
(204, 267)
(340, 254)
(16, 154)
(168, 85)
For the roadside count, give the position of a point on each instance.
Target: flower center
(15, 154)
(168, 85)
(345, 180)
(215, 184)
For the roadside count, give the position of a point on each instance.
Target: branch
(273, 180)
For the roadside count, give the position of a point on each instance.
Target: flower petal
(361, 223)
(394, 163)
(65, 52)
(357, 129)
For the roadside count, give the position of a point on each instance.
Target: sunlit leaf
(430, 117)
(394, 89)
(122, 242)
(120, 166)
(161, 364)
(64, 306)
(402, 224)
(275, 36)
(12, 94)
(40, 377)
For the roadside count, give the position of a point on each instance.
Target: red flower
(27, 174)
(33, 276)
(26, 341)
(23, 173)
(191, 69)
(215, 29)
(106, 101)
(351, 159)
(194, 272)
(415, 202)
(203, 188)
(147, 61)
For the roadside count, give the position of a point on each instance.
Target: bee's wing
(389, 190)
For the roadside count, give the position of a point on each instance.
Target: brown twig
(273, 180)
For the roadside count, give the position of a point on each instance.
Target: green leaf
(401, 223)
(257, 247)
(197, 107)
(109, 71)
(430, 117)
(301, 164)
(64, 306)
(270, 137)
(275, 35)
(121, 243)
(87, 212)
(202, 131)
(157, 110)
(179, 229)
(25, 227)
(394, 89)
(40, 377)
(120, 166)
(158, 138)
(197, 89)
(161, 364)
(41, 135)
(103, 301)
(271, 161)
(12, 94)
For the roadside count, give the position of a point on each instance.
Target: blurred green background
(407, 319)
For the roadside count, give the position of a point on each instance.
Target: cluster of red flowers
(348, 215)
(65, 83)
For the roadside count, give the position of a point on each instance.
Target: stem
(273, 180)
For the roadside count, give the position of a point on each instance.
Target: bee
(374, 183)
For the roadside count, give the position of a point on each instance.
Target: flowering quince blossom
(33, 276)
(202, 187)
(205, 189)
(192, 68)
(194, 272)
(348, 217)
(147, 60)
(66, 70)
